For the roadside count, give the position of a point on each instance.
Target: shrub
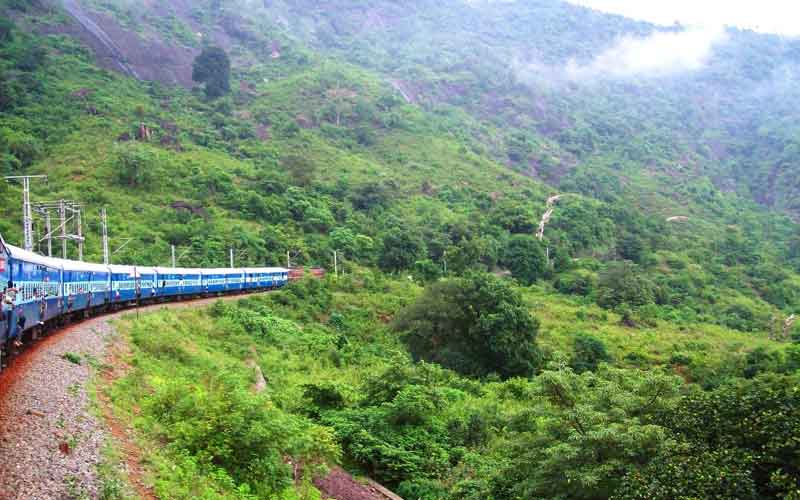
(135, 165)
(73, 358)
(525, 258)
(578, 282)
(213, 68)
(401, 249)
(680, 359)
(588, 354)
(475, 325)
(623, 283)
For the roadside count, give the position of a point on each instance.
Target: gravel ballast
(50, 439)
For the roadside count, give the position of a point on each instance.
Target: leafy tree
(623, 283)
(401, 249)
(397, 440)
(759, 360)
(344, 240)
(475, 325)
(525, 258)
(687, 474)
(426, 271)
(631, 247)
(300, 168)
(134, 165)
(589, 353)
(740, 316)
(371, 195)
(31, 58)
(465, 255)
(323, 397)
(579, 282)
(594, 429)
(213, 67)
(741, 437)
(20, 149)
(515, 217)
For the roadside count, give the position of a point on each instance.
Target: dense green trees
(738, 441)
(401, 249)
(213, 67)
(594, 429)
(589, 353)
(428, 432)
(476, 325)
(525, 258)
(623, 283)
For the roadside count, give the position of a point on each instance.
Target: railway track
(51, 439)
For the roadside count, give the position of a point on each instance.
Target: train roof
(223, 270)
(276, 269)
(133, 271)
(73, 265)
(177, 270)
(87, 267)
(254, 270)
(34, 258)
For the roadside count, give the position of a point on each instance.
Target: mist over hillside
(573, 91)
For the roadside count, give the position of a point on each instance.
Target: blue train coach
(132, 283)
(37, 291)
(33, 291)
(86, 285)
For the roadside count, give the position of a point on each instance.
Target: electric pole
(62, 206)
(335, 264)
(62, 214)
(231, 254)
(288, 260)
(80, 235)
(104, 218)
(48, 227)
(173, 256)
(27, 215)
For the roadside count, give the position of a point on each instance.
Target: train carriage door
(5, 265)
(137, 282)
(5, 278)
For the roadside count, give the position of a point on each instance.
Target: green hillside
(423, 143)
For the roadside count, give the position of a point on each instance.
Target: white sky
(769, 16)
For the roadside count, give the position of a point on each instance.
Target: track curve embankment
(51, 438)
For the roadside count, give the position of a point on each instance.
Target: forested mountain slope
(387, 133)
(574, 102)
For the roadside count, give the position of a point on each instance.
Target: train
(40, 292)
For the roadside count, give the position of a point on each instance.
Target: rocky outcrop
(120, 49)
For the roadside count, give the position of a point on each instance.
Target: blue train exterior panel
(5, 282)
(37, 285)
(37, 289)
(86, 285)
(132, 283)
(172, 282)
(222, 280)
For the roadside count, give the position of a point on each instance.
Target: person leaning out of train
(8, 300)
